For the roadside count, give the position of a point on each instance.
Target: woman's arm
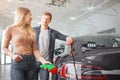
(38, 55)
(7, 38)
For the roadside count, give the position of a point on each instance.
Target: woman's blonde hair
(20, 14)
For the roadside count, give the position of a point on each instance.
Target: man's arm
(61, 36)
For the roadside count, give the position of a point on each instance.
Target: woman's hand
(17, 57)
(43, 61)
(46, 62)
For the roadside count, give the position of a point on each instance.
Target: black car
(108, 59)
(96, 59)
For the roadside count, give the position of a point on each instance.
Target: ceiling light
(56, 2)
(90, 8)
(16, 0)
(72, 18)
(20, 1)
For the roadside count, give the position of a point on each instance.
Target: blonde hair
(20, 14)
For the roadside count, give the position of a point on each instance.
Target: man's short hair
(48, 13)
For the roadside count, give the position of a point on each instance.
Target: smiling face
(46, 19)
(28, 18)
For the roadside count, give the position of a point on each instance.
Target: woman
(21, 35)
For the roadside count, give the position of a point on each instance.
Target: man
(45, 40)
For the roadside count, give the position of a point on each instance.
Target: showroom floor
(4, 72)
